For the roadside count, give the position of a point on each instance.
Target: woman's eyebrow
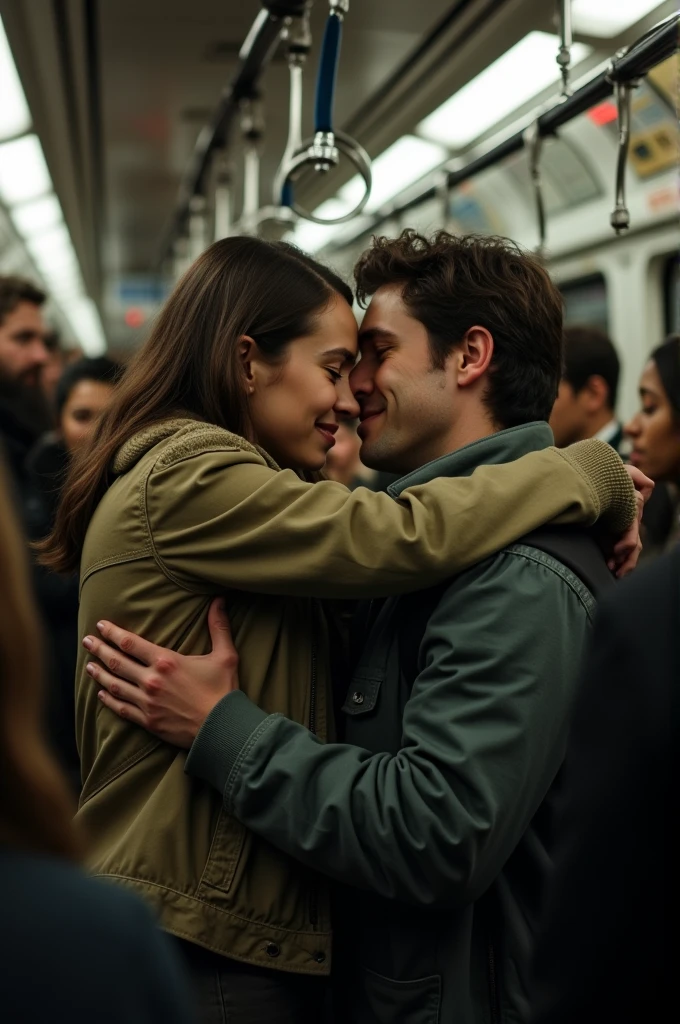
(340, 353)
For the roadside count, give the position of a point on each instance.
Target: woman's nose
(632, 427)
(346, 404)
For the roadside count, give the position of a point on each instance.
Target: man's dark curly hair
(15, 290)
(451, 283)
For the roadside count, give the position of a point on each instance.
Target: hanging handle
(620, 217)
(534, 141)
(566, 42)
(324, 150)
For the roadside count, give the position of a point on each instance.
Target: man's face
(22, 345)
(569, 417)
(407, 406)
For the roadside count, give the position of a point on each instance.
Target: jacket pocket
(224, 854)
(385, 1001)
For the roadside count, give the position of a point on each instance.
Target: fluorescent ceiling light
(525, 70)
(15, 117)
(84, 318)
(33, 218)
(403, 163)
(23, 171)
(53, 248)
(609, 17)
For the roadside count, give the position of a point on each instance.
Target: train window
(585, 301)
(672, 294)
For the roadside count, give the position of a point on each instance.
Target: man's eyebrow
(375, 333)
(341, 353)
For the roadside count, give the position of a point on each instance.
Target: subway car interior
(385, 705)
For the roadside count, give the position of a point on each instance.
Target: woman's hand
(625, 554)
(167, 693)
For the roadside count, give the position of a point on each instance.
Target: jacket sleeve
(483, 737)
(218, 522)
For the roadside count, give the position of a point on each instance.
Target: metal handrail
(642, 56)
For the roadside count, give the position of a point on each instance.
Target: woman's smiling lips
(327, 430)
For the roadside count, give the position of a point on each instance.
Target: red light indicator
(603, 113)
(134, 317)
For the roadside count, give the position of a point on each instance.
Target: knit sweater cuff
(610, 484)
(223, 740)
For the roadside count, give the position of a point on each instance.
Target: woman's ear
(246, 351)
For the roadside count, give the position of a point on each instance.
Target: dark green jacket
(438, 807)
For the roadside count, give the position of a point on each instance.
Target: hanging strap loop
(323, 151)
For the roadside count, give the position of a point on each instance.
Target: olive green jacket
(195, 511)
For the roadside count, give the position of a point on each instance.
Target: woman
(64, 936)
(83, 391)
(655, 434)
(194, 488)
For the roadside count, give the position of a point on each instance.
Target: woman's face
(86, 402)
(655, 430)
(297, 404)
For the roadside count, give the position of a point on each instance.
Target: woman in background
(70, 947)
(655, 434)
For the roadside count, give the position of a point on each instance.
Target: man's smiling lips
(368, 417)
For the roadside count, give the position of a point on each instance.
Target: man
(436, 809)
(586, 399)
(605, 952)
(22, 355)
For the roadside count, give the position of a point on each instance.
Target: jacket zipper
(312, 695)
(493, 988)
(313, 901)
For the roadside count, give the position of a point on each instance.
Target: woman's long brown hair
(35, 808)
(190, 364)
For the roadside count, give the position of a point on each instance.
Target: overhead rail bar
(641, 57)
(256, 53)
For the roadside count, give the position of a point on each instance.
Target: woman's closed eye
(335, 375)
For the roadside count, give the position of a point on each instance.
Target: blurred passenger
(606, 952)
(22, 357)
(456, 716)
(343, 463)
(655, 435)
(195, 485)
(586, 399)
(83, 392)
(72, 949)
(53, 368)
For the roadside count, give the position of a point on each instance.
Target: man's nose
(361, 379)
(39, 353)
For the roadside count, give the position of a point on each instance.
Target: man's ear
(595, 393)
(474, 355)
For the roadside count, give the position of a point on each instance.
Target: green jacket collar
(505, 446)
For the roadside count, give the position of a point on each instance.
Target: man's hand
(167, 693)
(627, 550)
